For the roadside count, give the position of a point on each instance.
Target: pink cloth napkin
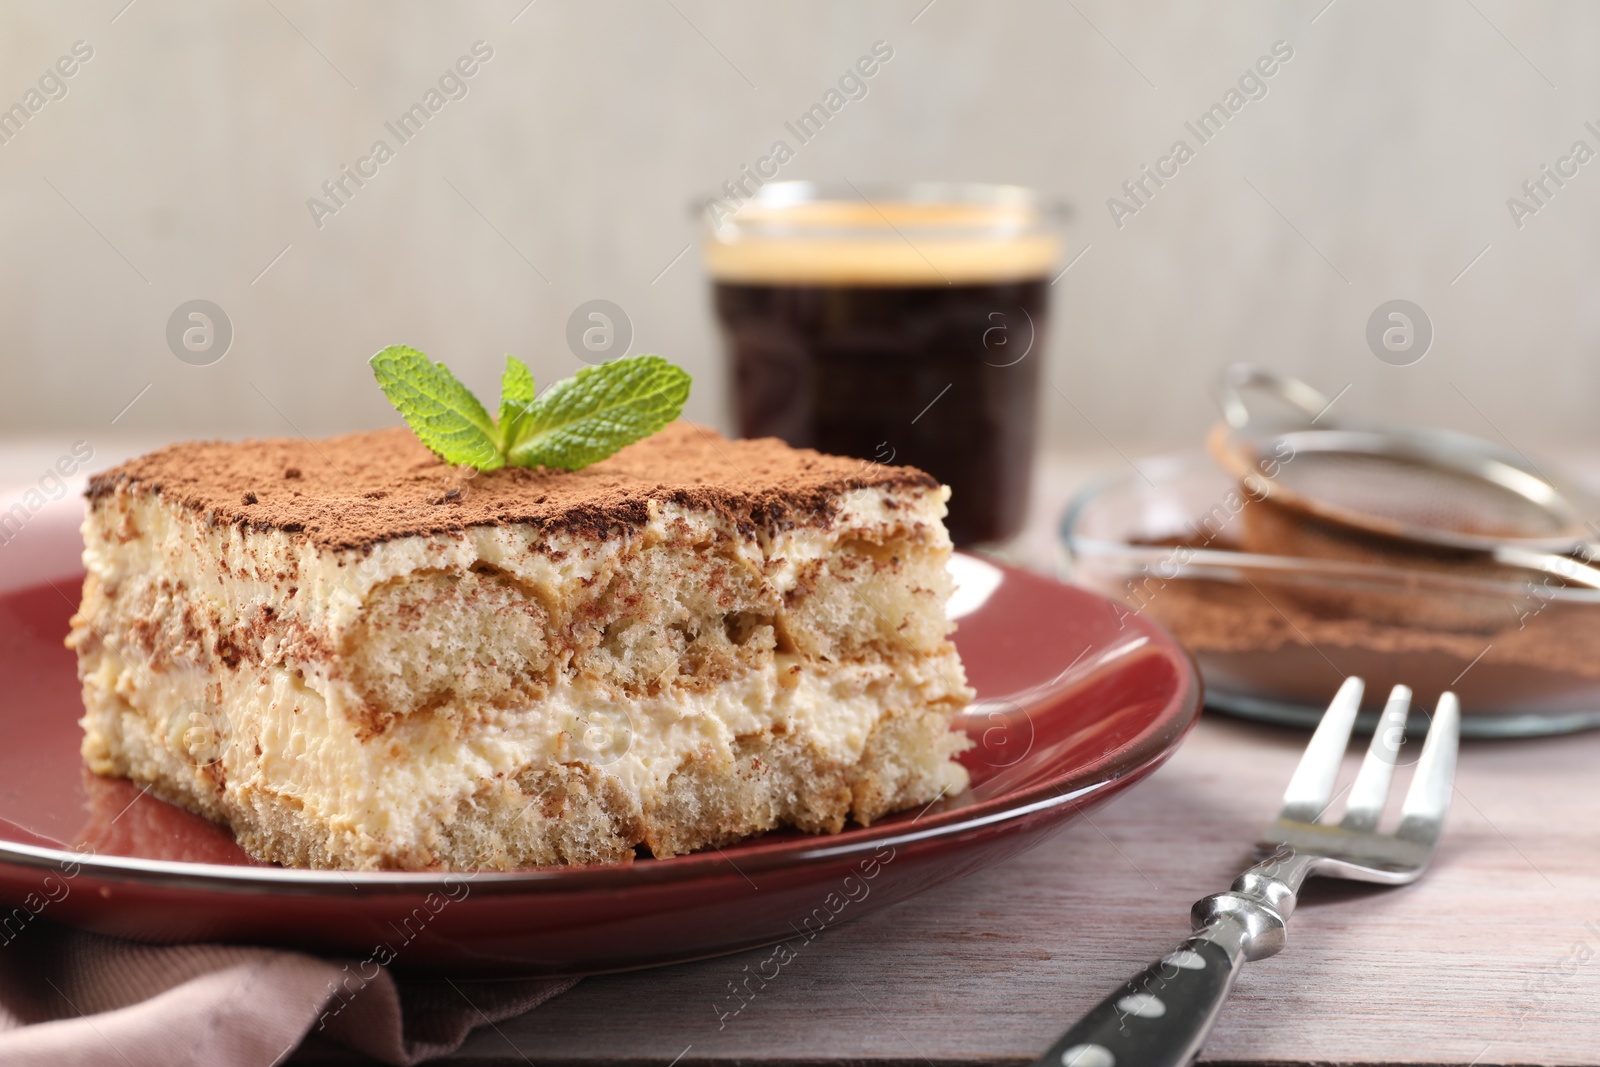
(77, 999)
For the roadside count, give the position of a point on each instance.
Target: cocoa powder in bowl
(1286, 637)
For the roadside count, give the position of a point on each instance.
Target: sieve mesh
(1395, 489)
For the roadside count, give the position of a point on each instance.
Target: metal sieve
(1411, 484)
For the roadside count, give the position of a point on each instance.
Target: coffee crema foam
(889, 244)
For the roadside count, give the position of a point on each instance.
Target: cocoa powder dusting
(362, 489)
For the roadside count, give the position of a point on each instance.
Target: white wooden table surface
(1493, 959)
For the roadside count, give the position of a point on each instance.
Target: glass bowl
(1275, 635)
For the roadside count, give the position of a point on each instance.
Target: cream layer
(238, 732)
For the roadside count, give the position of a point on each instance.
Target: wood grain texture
(1486, 961)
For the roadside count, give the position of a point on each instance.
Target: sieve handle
(1292, 391)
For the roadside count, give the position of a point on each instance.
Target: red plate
(1075, 706)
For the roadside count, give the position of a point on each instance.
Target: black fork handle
(1160, 1018)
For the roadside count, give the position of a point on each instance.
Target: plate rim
(1140, 755)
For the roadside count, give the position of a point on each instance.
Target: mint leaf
(585, 418)
(517, 393)
(441, 411)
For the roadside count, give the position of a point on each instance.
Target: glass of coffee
(899, 326)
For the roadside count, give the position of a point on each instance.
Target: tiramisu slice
(359, 656)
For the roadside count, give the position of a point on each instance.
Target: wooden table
(1494, 958)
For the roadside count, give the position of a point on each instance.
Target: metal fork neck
(1249, 920)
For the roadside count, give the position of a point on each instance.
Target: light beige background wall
(1377, 166)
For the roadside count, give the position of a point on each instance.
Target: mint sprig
(578, 421)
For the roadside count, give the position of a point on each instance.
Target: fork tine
(1428, 799)
(1371, 787)
(1312, 785)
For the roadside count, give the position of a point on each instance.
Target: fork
(1162, 1017)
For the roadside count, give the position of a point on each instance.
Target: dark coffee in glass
(902, 330)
